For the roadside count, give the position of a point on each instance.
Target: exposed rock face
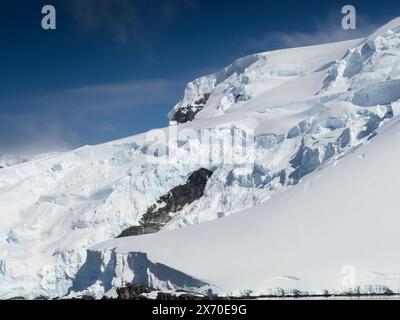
(137, 291)
(188, 113)
(84, 297)
(184, 296)
(162, 211)
(133, 292)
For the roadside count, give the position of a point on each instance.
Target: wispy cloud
(141, 90)
(326, 30)
(108, 98)
(127, 20)
(30, 134)
(90, 114)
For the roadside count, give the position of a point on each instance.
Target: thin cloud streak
(31, 134)
(67, 119)
(328, 30)
(109, 98)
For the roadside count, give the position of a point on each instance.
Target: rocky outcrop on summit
(162, 211)
(188, 113)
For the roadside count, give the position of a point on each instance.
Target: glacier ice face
(335, 232)
(368, 67)
(103, 272)
(307, 107)
(383, 93)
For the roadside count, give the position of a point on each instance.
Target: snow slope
(344, 217)
(304, 107)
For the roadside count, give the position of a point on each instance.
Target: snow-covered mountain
(312, 194)
(340, 221)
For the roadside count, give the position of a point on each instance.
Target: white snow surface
(343, 218)
(308, 107)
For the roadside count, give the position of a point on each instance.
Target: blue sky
(114, 68)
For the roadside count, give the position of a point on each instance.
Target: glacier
(314, 112)
(340, 221)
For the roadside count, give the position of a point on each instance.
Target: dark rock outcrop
(84, 297)
(133, 292)
(188, 113)
(136, 291)
(185, 296)
(159, 214)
